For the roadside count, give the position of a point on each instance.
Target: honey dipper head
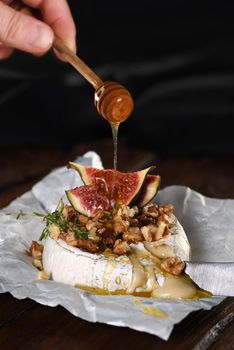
(113, 102)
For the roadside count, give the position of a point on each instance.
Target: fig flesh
(105, 188)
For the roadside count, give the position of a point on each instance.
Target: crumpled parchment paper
(208, 223)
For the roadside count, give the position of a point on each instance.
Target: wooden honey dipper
(112, 100)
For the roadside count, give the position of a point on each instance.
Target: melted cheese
(139, 278)
(176, 287)
(159, 250)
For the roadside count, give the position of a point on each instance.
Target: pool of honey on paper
(175, 285)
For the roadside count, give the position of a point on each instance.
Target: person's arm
(20, 30)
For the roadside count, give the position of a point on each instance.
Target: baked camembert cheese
(117, 248)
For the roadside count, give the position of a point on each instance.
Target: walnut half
(175, 265)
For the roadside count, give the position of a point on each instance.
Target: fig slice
(87, 200)
(148, 190)
(104, 188)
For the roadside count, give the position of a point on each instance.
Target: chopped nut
(90, 224)
(38, 264)
(100, 230)
(174, 265)
(42, 275)
(36, 250)
(131, 212)
(121, 247)
(124, 211)
(93, 230)
(83, 219)
(161, 210)
(92, 235)
(147, 233)
(133, 235)
(163, 218)
(128, 212)
(151, 210)
(118, 214)
(167, 232)
(120, 226)
(171, 220)
(94, 238)
(134, 222)
(159, 231)
(136, 209)
(109, 225)
(69, 238)
(168, 209)
(69, 212)
(99, 215)
(54, 231)
(87, 244)
(146, 220)
(108, 238)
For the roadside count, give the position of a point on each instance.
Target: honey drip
(115, 128)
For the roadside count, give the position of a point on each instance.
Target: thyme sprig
(22, 213)
(57, 219)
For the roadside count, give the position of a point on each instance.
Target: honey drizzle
(115, 128)
(200, 293)
(139, 278)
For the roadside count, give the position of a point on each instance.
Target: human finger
(5, 52)
(58, 16)
(24, 32)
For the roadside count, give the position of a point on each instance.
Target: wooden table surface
(25, 324)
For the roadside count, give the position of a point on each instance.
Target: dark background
(175, 57)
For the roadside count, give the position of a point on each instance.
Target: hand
(19, 29)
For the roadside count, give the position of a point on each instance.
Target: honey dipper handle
(77, 63)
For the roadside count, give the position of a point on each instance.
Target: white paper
(208, 223)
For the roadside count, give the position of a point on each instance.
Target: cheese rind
(73, 266)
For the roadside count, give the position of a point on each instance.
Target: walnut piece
(120, 226)
(42, 275)
(133, 235)
(147, 233)
(175, 265)
(69, 212)
(121, 247)
(127, 224)
(54, 231)
(36, 250)
(38, 264)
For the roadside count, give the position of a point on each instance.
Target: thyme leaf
(108, 214)
(38, 214)
(117, 205)
(79, 233)
(21, 213)
(44, 233)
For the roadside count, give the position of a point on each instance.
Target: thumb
(24, 32)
